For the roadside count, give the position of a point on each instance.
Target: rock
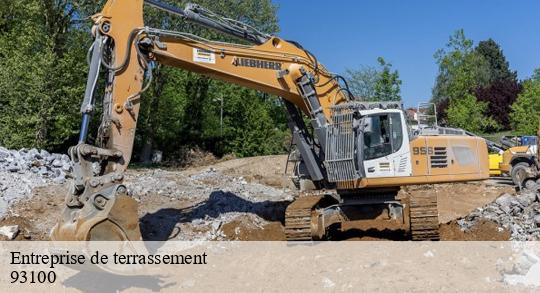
(13, 168)
(537, 220)
(27, 235)
(215, 226)
(33, 153)
(42, 171)
(504, 200)
(526, 199)
(9, 231)
(506, 209)
(22, 170)
(516, 210)
(60, 179)
(66, 166)
(57, 163)
(44, 154)
(4, 154)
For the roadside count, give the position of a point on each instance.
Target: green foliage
(372, 84)
(461, 69)
(525, 113)
(43, 47)
(499, 69)
(536, 75)
(469, 114)
(387, 87)
(42, 74)
(249, 126)
(184, 107)
(362, 82)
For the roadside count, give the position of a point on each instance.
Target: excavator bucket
(101, 218)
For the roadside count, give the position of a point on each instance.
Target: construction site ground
(243, 199)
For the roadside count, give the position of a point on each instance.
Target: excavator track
(424, 217)
(298, 218)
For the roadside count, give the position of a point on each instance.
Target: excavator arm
(124, 50)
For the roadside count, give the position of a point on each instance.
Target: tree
(525, 113)
(42, 82)
(469, 114)
(499, 68)
(500, 95)
(461, 69)
(536, 75)
(502, 88)
(371, 84)
(362, 82)
(387, 87)
(42, 78)
(181, 106)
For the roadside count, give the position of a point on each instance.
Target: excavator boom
(98, 206)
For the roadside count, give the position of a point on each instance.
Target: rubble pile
(519, 214)
(214, 198)
(199, 186)
(22, 170)
(41, 162)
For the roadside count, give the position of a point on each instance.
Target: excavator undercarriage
(316, 215)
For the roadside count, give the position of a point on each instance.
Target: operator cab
(385, 148)
(383, 135)
(367, 142)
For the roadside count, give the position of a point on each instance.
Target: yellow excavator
(354, 155)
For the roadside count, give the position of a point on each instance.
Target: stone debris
(9, 231)
(23, 170)
(519, 214)
(218, 199)
(47, 165)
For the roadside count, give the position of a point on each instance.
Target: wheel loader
(521, 163)
(354, 155)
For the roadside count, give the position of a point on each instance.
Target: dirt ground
(249, 217)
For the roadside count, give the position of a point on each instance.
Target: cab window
(383, 135)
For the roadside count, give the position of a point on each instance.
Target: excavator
(353, 156)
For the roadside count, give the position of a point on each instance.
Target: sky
(349, 34)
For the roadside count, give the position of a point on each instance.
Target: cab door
(386, 151)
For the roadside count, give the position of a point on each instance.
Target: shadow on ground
(162, 225)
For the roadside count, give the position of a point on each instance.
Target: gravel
(23, 170)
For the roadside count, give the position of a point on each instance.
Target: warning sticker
(203, 56)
